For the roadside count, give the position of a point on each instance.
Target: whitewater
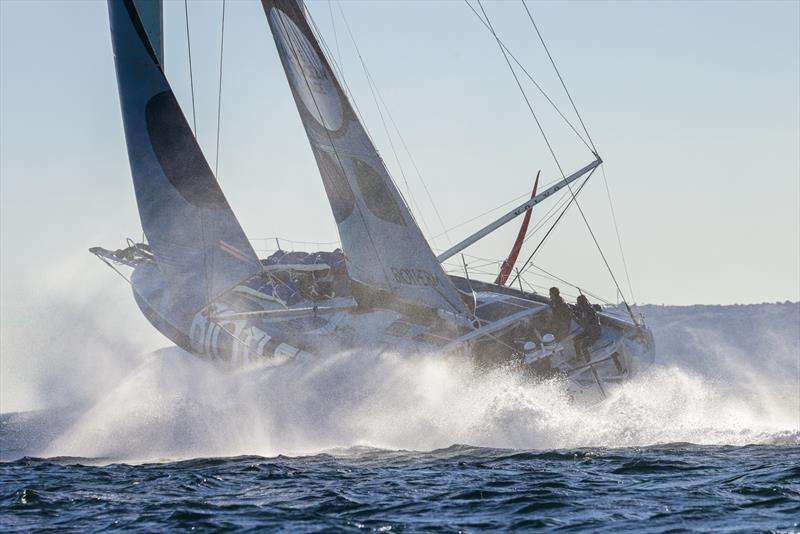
(104, 425)
(724, 375)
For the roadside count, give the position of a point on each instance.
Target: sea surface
(129, 438)
(661, 488)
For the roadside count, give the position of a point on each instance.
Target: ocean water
(656, 489)
(708, 439)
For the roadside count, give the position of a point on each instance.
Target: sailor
(560, 315)
(586, 315)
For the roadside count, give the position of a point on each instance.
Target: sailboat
(199, 281)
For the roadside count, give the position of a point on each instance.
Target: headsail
(197, 242)
(387, 255)
(509, 262)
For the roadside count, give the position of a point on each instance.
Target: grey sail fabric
(151, 13)
(197, 242)
(387, 255)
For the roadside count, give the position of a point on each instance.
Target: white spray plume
(125, 401)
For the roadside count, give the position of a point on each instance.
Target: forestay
(388, 258)
(197, 242)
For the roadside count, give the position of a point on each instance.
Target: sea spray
(65, 336)
(724, 375)
(177, 406)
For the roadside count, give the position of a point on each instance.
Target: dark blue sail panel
(388, 258)
(151, 13)
(199, 246)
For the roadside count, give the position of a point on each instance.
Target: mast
(516, 212)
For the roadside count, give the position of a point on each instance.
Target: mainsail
(197, 242)
(388, 258)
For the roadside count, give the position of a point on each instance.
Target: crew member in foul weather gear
(586, 315)
(560, 315)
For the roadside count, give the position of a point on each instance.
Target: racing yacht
(199, 281)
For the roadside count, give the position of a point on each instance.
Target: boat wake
(172, 405)
(714, 382)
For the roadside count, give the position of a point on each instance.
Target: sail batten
(385, 249)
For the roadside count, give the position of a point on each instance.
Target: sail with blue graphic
(388, 259)
(198, 245)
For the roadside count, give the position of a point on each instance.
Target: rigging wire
(531, 78)
(519, 85)
(561, 79)
(373, 89)
(559, 279)
(335, 36)
(491, 210)
(594, 238)
(191, 74)
(589, 137)
(549, 214)
(418, 173)
(619, 239)
(340, 72)
(550, 230)
(194, 130)
(295, 53)
(480, 269)
(591, 233)
(400, 137)
(219, 92)
(574, 196)
(485, 213)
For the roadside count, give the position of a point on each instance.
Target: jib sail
(387, 255)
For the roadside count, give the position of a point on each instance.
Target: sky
(694, 107)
